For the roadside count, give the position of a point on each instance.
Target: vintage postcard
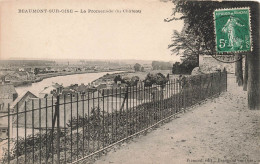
(129, 82)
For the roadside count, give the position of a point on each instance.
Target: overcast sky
(87, 36)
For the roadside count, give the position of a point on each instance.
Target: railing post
(103, 120)
(127, 112)
(77, 110)
(25, 135)
(40, 132)
(174, 96)
(17, 132)
(9, 129)
(57, 106)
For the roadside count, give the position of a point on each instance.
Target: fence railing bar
(99, 117)
(25, 135)
(112, 117)
(58, 128)
(148, 110)
(143, 108)
(116, 116)
(136, 107)
(77, 125)
(133, 110)
(52, 132)
(9, 131)
(103, 121)
(46, 130)
(83, 128)
(17, 132)
(178, 95)
(153, 105)
(137, 104)
(127, 112)
(21, 112)
(89, 137)
(40, 130)
(65, 137)
(33, 130)
(130, 111)
(108, 119)
(120, 104)
(174, 96)
(71, 143)
(93, 130)
(167, 97)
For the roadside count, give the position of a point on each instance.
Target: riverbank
(41, 77)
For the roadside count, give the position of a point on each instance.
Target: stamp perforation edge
(251, 41)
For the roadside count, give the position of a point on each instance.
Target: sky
(141, 36)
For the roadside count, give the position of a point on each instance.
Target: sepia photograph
(129, 82)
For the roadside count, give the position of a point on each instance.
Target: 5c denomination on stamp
(232, 30)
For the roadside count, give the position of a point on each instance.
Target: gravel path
(221, 130)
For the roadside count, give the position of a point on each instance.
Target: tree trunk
(253, 86)
(245, 74)
(239, 71)
(253, 81)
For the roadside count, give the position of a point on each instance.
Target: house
(140, 84)
(22, 75)
(7, 95)
(21, 69)
(101, 86)
(17, 76)
(67, 92)
(3, 79)
(21, 99)
(3, 126)
(123, 85)
(82, 88)
(48, 69)
(52, 90)
(73, 86)
(29, 69)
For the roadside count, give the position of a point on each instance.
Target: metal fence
(71, 128)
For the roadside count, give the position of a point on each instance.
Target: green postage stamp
(232, 30)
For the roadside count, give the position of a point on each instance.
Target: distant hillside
(18, 63)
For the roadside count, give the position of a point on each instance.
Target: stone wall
(208, 64)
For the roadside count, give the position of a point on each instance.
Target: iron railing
(71, 128)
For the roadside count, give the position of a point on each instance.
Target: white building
(51, 90)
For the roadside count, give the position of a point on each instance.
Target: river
(66, 80)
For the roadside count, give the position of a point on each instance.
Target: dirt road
(221, 130)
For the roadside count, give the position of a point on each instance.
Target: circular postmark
(231, 58)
